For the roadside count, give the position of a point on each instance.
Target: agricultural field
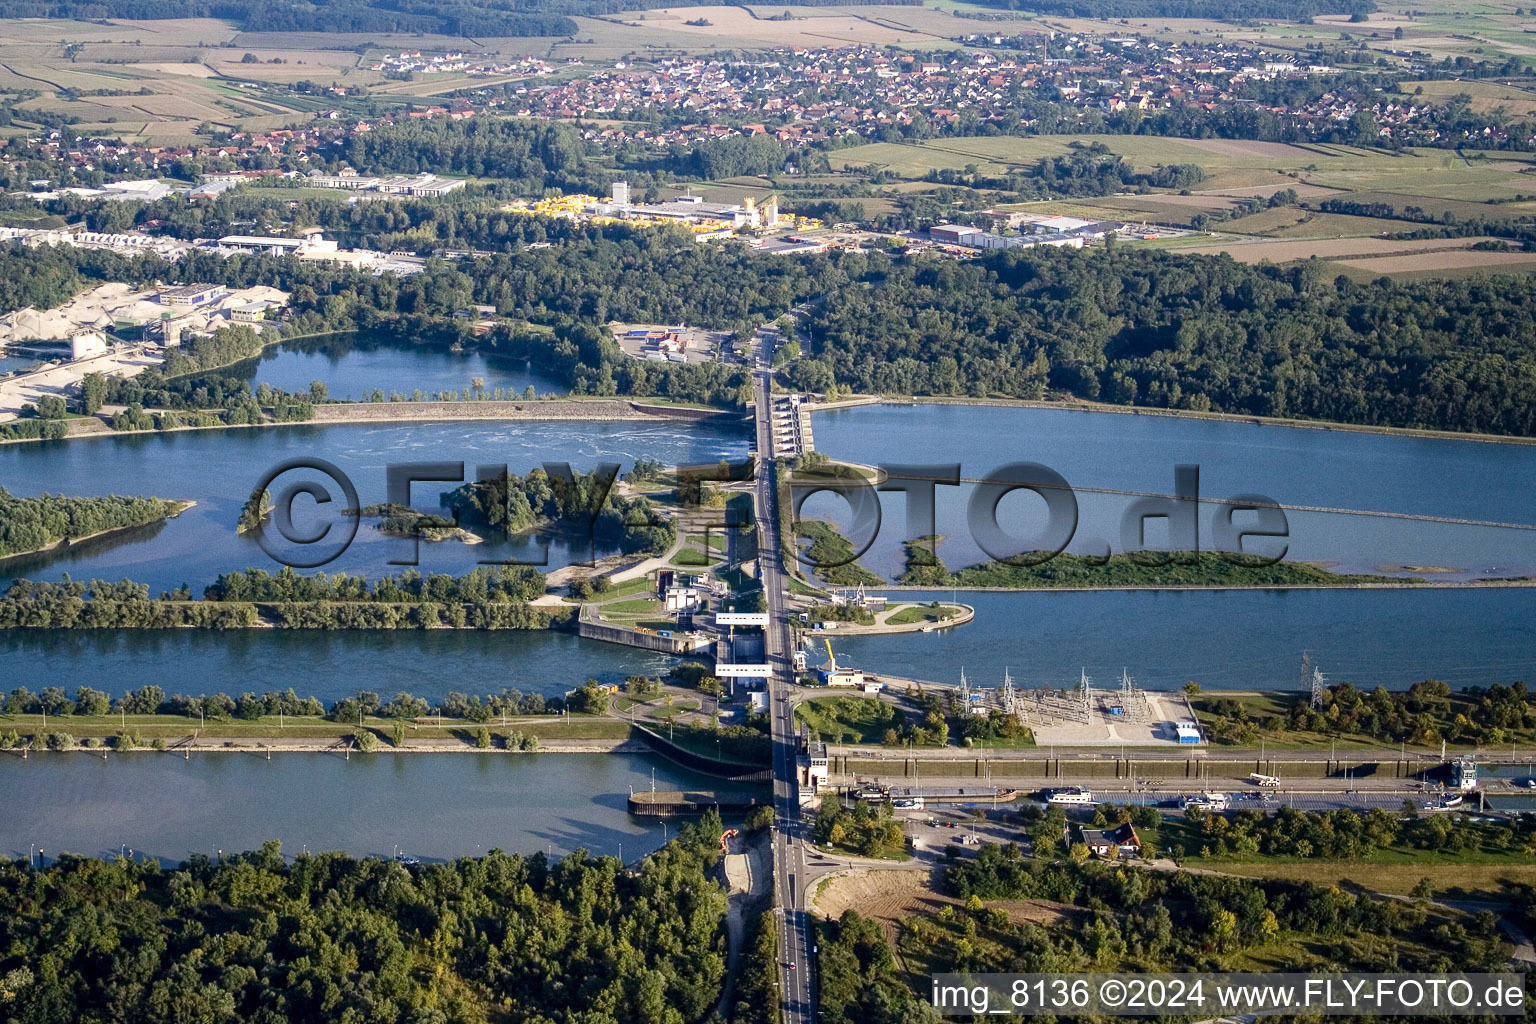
(1250, 250)
(1446, 264)
(1485, 97)
(1294, 222)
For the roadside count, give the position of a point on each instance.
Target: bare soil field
(811, 26)
(1302, 190)
(890, 897)
(1459, 260)
(1330, 248)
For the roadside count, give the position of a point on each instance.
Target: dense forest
(1129, 327)
(1144, 328)
(418, 16)
(258, 939)
(1118, 919)
(29, 524)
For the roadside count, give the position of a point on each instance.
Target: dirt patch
(891, 896)
(1338, 248)
(1445, 261)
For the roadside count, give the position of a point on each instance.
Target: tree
(51, 407)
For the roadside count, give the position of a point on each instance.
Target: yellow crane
(831, 658)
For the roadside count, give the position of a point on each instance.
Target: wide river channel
(449, 804)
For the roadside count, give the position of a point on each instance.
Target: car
(791, 965)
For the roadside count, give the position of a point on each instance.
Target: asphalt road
(796, 962)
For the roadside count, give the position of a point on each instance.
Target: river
(1223, 640)
(352, 365)
(451, 804)
(218, 469)
(424, 805)
(317, 663)
(1293, 466)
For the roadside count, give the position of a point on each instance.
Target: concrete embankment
(263, 747)
(1045, 769)
(599, 409)
(960, 618)
(559, 409)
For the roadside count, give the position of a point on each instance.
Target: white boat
(1071, 796)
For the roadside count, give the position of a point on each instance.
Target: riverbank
(175, 733)
(1081, 405)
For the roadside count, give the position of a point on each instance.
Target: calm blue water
(317, 663)
(10, 364)
(1333, 469)
(1223, 640)
(351, 365)
(430, 806)
(218, 469)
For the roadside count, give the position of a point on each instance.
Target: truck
(1263, 781)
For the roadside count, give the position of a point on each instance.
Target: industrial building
(832, 674)
(975, 238)
(190, 296)
(425, 185)
(689, 209)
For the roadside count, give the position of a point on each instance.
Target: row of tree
(69, 604)
(1424, 714)
(56, 701)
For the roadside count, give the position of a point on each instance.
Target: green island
(481, 599)
(30, 525)
(1182, 569)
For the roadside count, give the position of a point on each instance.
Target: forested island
(37, 524)
(482, 599)
(1146, 569)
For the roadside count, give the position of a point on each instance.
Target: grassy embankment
(304, 729)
